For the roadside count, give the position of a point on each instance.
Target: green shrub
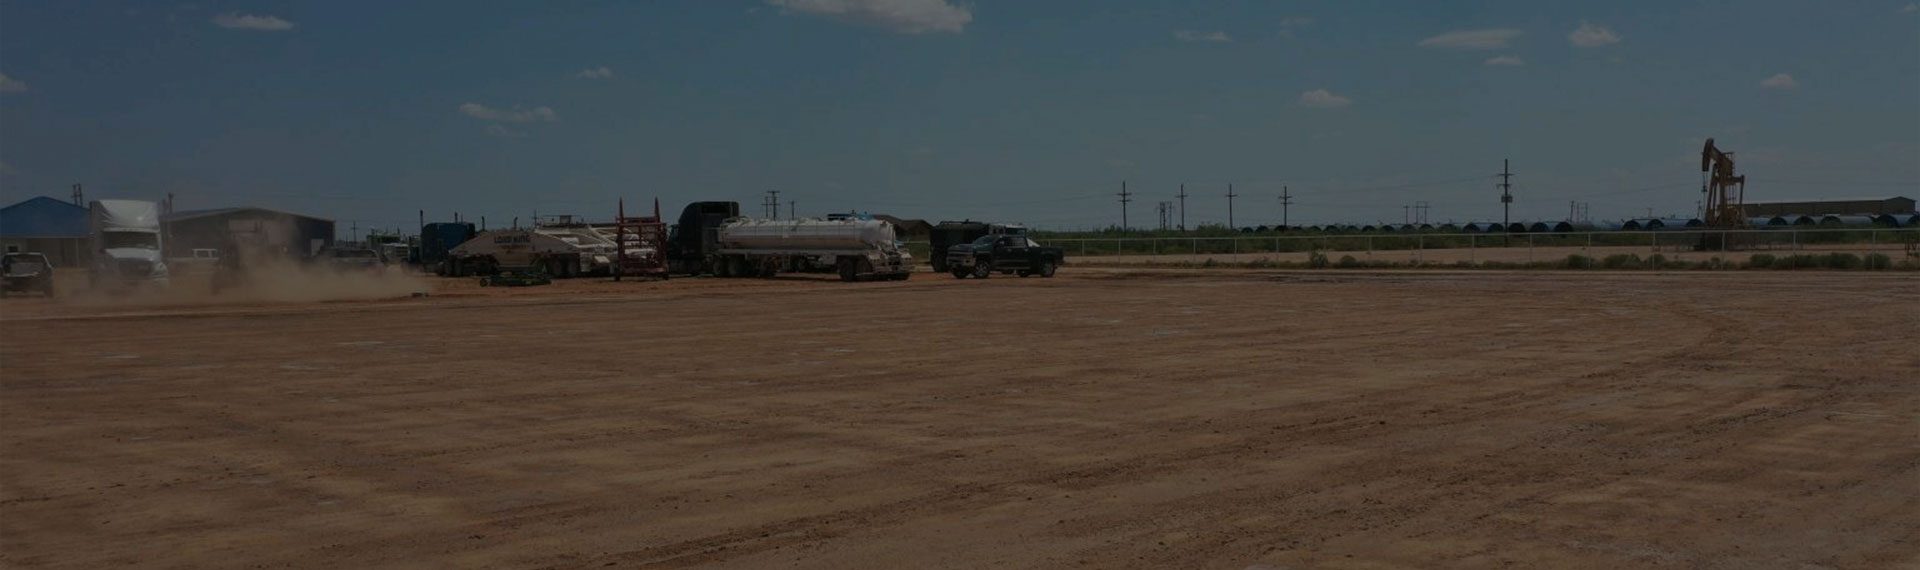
(1317, 260)
(1760, 261)
(1657, 261)
(1348, 262)
(1798, 261)
(1577, 261)
(1843, 261)
(1210, 263)
(1620, 261)
(1877, 261)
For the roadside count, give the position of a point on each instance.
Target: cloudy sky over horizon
(989, 109)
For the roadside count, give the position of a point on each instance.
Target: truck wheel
(960, 273)
(982, 269)
(1046, 269)
(1023, 273)
(849, 269)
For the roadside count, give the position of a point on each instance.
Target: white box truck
(126, 245)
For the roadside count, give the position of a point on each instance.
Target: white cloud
(1506, 60)
(1589, 35)
(1196, 36)
(903, 16)
(503, 132)
(11, 85)
(601, 72)
(1323, 99)
(1910, 8)
(514, 115)
(1471, 39)
(1780, 81)
(238, 21)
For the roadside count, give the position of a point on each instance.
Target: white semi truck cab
(126, 244)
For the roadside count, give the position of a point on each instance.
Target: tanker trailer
(856, 249)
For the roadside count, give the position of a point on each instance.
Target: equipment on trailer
(562, 248)
(640, 244)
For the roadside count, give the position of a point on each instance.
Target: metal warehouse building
(1865, 206)
(54, 227)
(274, 230)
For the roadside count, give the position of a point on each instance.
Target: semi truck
(856, 248)
(126, 245)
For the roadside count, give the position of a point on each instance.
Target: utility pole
(1406, 214)
(771, 205)
(1230, 196)
(79, 197)
(793, 212)
(1506, 193)
(1125, 197)
(1420, 209)
(1183, 207)
(1285, 200)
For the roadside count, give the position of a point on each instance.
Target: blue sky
(1019, 111)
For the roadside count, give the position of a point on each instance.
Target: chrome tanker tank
(807, 235)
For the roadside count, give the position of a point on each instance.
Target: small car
(27, 273)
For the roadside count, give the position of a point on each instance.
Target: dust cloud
(267, 281)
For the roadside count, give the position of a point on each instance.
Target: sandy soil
(1107, 419)
(1486, 254)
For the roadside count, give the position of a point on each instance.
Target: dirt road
(1101, 419)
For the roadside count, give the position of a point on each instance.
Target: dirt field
(1494, 254)
(1105, 419)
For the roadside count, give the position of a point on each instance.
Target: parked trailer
(569, 251)
(856, 249)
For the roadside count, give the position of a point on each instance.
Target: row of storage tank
(1638, 224)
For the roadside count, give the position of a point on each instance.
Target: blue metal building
(54, 227)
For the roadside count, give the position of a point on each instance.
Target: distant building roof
(43, 217)
(1823, 200)
(183, 215)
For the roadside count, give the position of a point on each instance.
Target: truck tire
(849, 268)
(959, 273)
(1046, 268)
(982, 269)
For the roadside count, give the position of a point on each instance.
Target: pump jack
(1724, 202)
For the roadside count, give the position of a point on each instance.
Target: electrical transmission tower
(1125, 197)
(1183, 207)
(1166, 215)
(1285, 200)
(771, 205)
(1506, 193)
(1230, 196)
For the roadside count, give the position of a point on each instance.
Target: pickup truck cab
(1008, 254)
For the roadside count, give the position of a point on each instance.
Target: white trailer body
(856, 249)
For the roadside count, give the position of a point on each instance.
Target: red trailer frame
(641, 243)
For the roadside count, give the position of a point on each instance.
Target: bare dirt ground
(1107, 419)
(1493, 254)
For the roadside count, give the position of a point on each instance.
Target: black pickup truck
(1011, 254)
